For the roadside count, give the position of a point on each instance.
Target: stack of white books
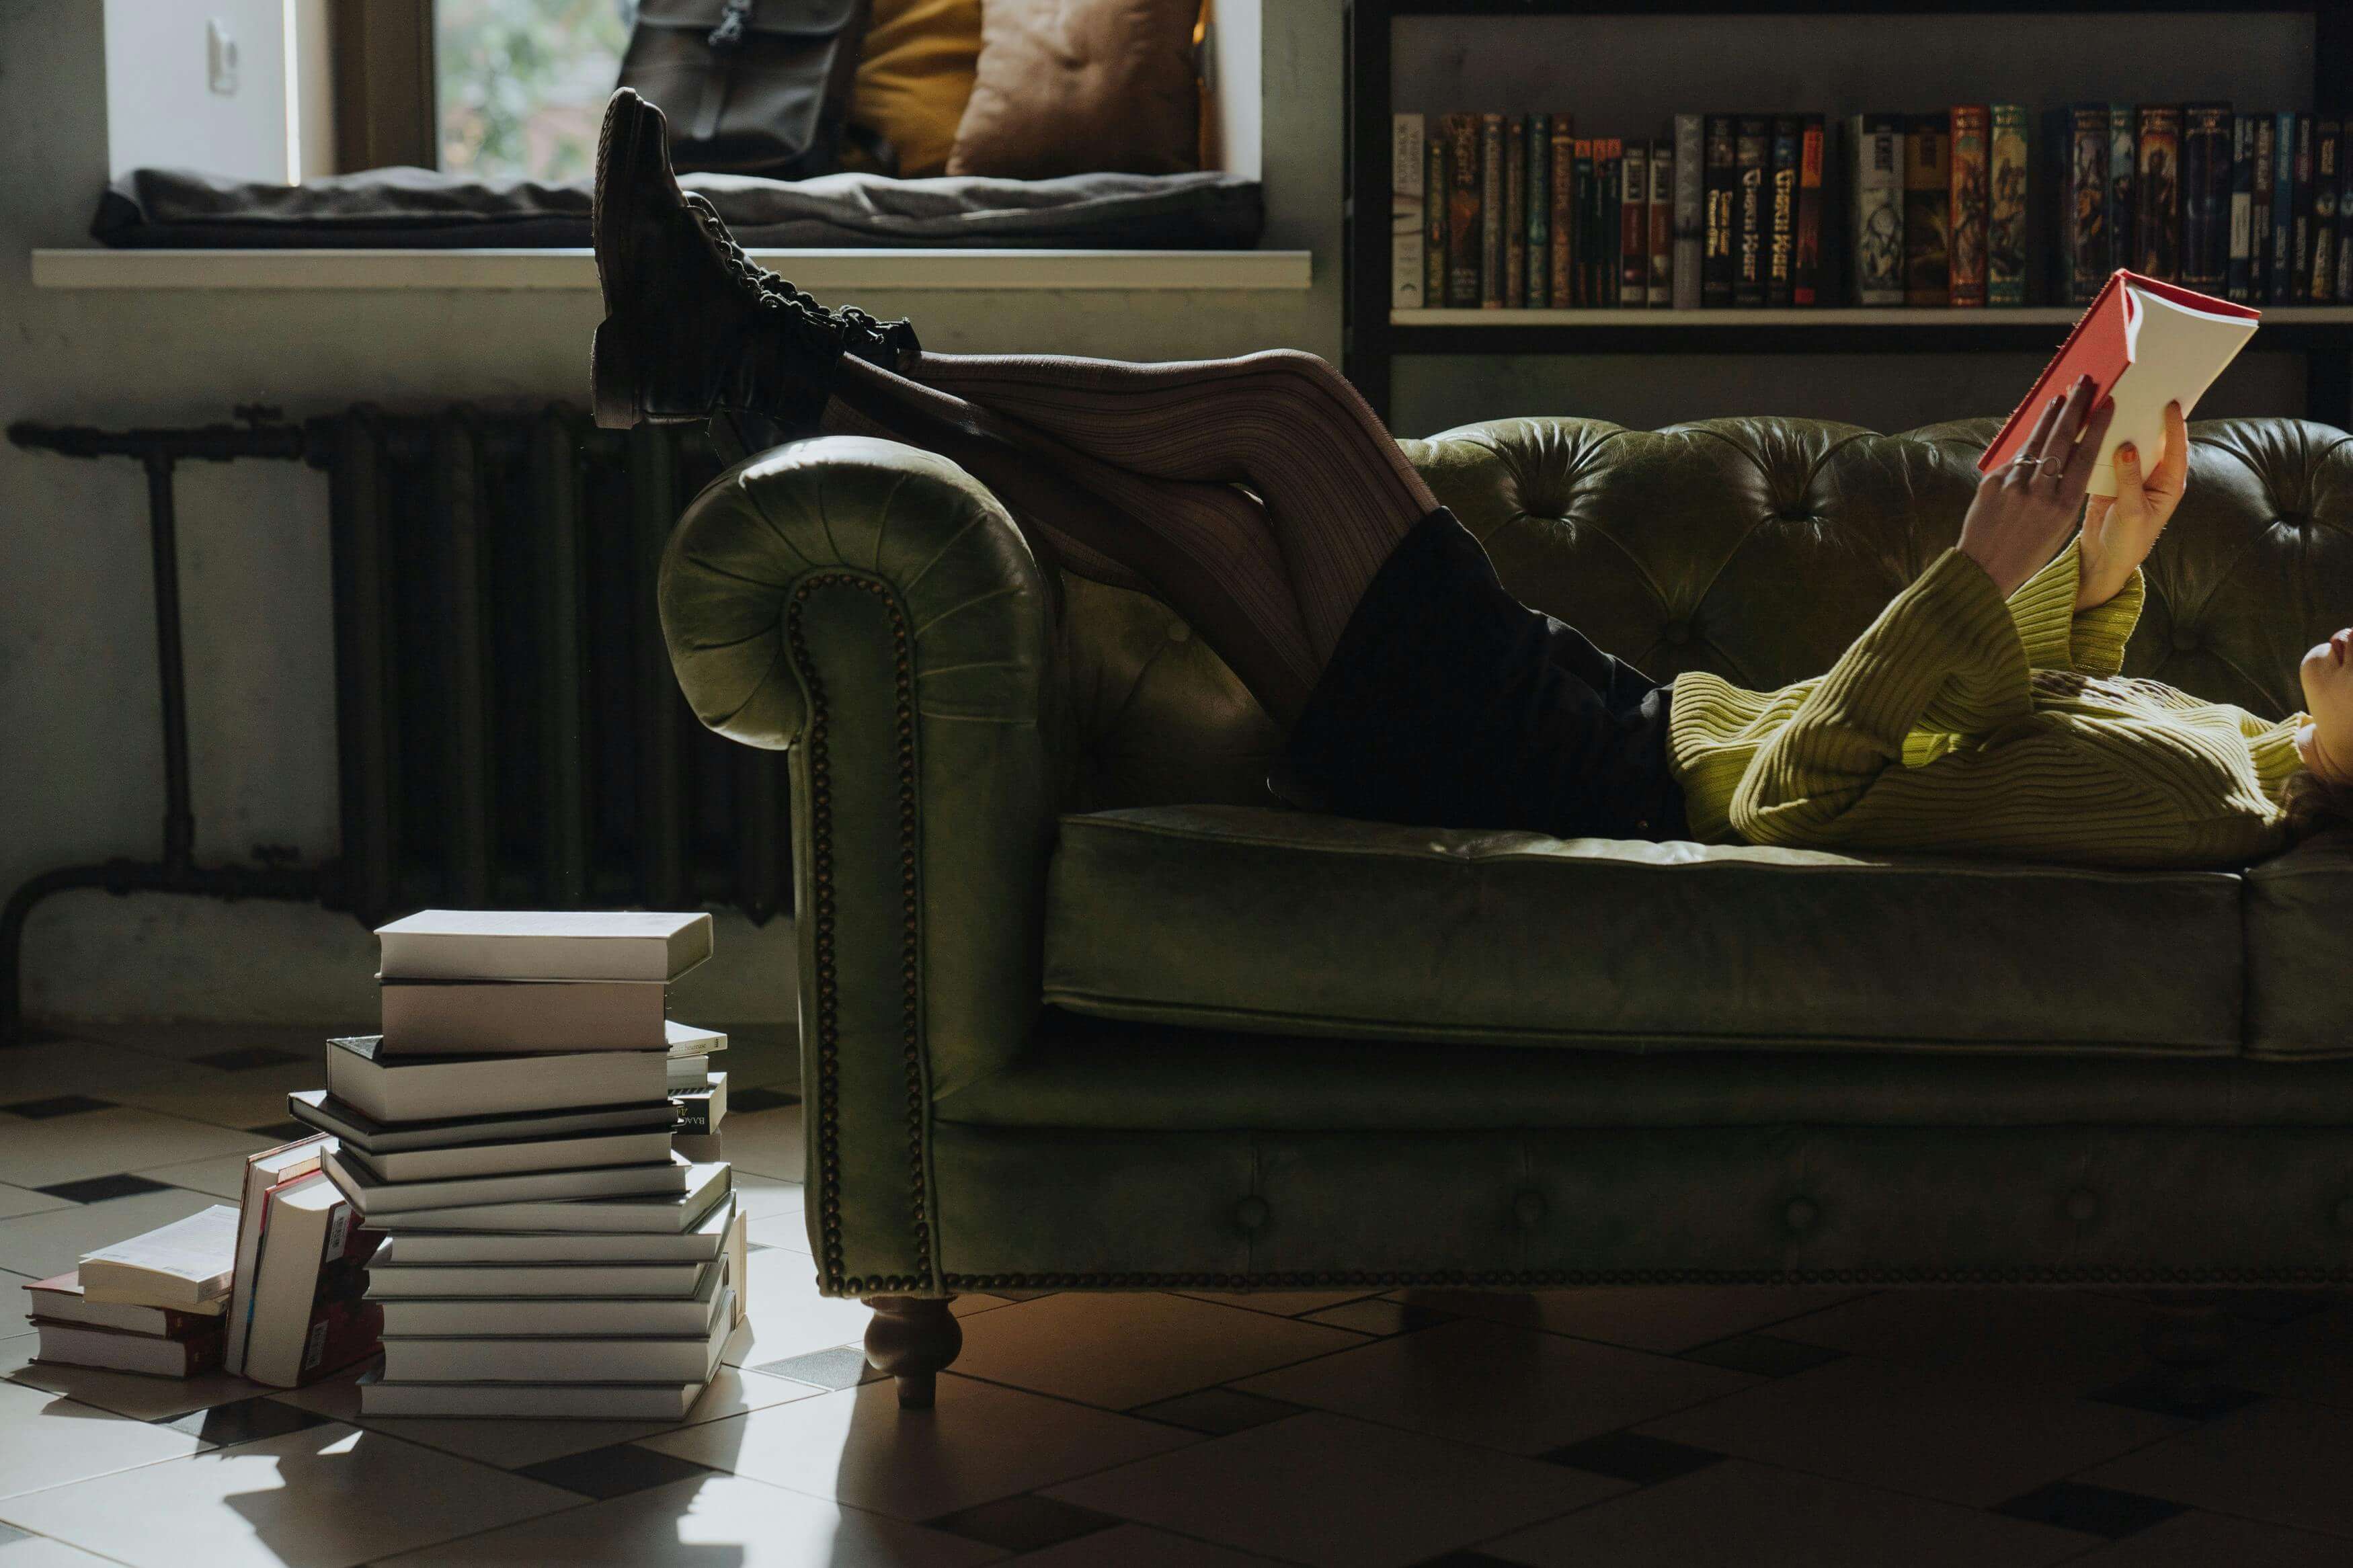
(155, 1303)
(546, 1251)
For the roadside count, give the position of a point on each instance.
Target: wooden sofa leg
(913, 1338)
(2188, 1333)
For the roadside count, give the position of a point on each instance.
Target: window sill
(862, 271)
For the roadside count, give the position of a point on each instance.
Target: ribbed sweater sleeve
(2056, 635)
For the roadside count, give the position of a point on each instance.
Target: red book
(2144, 344)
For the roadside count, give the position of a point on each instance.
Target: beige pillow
(1082, 87)
(916, 76)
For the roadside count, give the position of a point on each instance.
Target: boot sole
(612, 354)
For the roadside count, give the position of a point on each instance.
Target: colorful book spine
(1514, 288)
(2345, 226)
(1491, 212)
(1753, 149)
(1690, 211)
(2204, 247)
(1781, 211)
(1434, 186)
(1535, 129)
(2238, 252)
(1927, 209)
(2124, 165)
(2080, 134)
(1582, 186)
(1609, 180)
(1719, 209)
(1662, 225)
(1967, 215)
(2327, 154)
(1463, 186)
(1562, 169)
(2262, 252)
(2008, 201)
(1407, 168)
(2157, 184)
(2280, 285)
(1878, 186)
(1634, 227)
(2299, 286)
(1813, 148)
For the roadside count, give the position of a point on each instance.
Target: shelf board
(856, 273)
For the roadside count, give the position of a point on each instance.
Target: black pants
(1447, 703)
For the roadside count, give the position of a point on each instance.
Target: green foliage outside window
(522, 83)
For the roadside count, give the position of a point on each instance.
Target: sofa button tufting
(2185, 641)
(1250, 1213)
(1528, 1208)
(1800, 1214)
(1179, 632)
(1676, 633)
(2083, 1205)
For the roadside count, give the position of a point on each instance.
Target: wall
(161, 109)
(78, 748)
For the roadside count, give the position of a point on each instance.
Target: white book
(688, 1075)
(356, 1129)
(633, 1146)
(699, 1241)
(309, 1226)
(432, 1088)
(186, 1265)
(454, 1018)
(688, 1040)
(263, 1170)
(86, 1344)
(655, 1215)
(701, 1110)
(542, 945)
(390, 1279)
(1877, 225)
(1405, 212)
(493, 1317)
(572, 1359)
(58, 1300)
(381, 1200)
(532, 1401)
(1691, 208)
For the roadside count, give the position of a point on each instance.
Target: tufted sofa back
(1754, 548)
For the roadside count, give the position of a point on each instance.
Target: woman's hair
(2315, 806)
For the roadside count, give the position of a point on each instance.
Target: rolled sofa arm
(873, 607)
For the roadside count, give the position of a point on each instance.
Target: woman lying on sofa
(1982, 711)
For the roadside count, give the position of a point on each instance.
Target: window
(521, 84)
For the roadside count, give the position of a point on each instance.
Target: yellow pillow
(916, 76)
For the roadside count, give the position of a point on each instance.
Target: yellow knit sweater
(1961, 724)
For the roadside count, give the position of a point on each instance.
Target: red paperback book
(2143, 343)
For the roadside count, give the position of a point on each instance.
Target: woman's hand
(2120, 531)
(2025, 509)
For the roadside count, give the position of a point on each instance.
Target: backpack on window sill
(750, 86)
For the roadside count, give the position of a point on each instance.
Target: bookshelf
(1376, 337)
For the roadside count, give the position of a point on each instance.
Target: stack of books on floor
(156, 1304)
(547, 1253)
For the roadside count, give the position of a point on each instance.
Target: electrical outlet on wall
(220, 56)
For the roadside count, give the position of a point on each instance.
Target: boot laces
(849, 327)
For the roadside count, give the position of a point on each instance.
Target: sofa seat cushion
(2299, 918)
(1283, 922)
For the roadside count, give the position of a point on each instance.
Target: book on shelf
(120, 1350)
(391, 1279)
(430, 1088)
(2206, 148)
(381, 1200)
(1753, 155)
(1462, 225)
(263, 1170)
(2263, 175)
(539, 944)
(2344, 288)
(1688, 219)
(186, 1266)
(546, 1402)
(360, 1131)
(2123, 187)
(1491, 212)
(309, 1317)
(568, 1358)
(1515, 186)
(1434, 187)
(2280, 273)
(1583, 201)
(2326, 154)
(1407, 169)
(1781, 212)
(2157, 181)
(2145, 342)
(1967, 211)
(1719, 210)
(1535, 202)
(1877, 145)
(669, 1212)
(1927, 208)
(1560, 211)
(1662, 270)
(1634, 225)
(601, 1313)
(1809, 272)
(2009, 200)
(461, 1018)
(2079, 142)
(2299, 279)
(59, 1300)
(2239, 246)
(1609, 219)
(625, 1146)
(699, 1240)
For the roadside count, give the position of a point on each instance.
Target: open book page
(200, 1251)
(2177, 353)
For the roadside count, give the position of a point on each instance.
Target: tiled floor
(1651, 1428)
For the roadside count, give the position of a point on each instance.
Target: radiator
(508, 730)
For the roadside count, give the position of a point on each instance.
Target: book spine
(1563, 216)
(2006, 203)
(1535, 129)
(2205, 195)
(1634, 227)
(1435, 187)
(1966, 218)
(2344, 226)
(1516, 213)
(1491, 212)
(1719, 208)
(1806, 263)
(2279, 285)
(1878, 185)
(1408, 168)
(2299, 286)
(1753, 151)
(2085, 233)
(2157, 183)
(1610, 169)
(2327, 154)
(1463, 185)
(2124, 212)
(2239, 249)
(1690, 222)
(1662, 225)
(1927, 209)
(2261, 252)
(1781, 211)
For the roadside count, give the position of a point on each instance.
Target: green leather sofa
(1084, 1009)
